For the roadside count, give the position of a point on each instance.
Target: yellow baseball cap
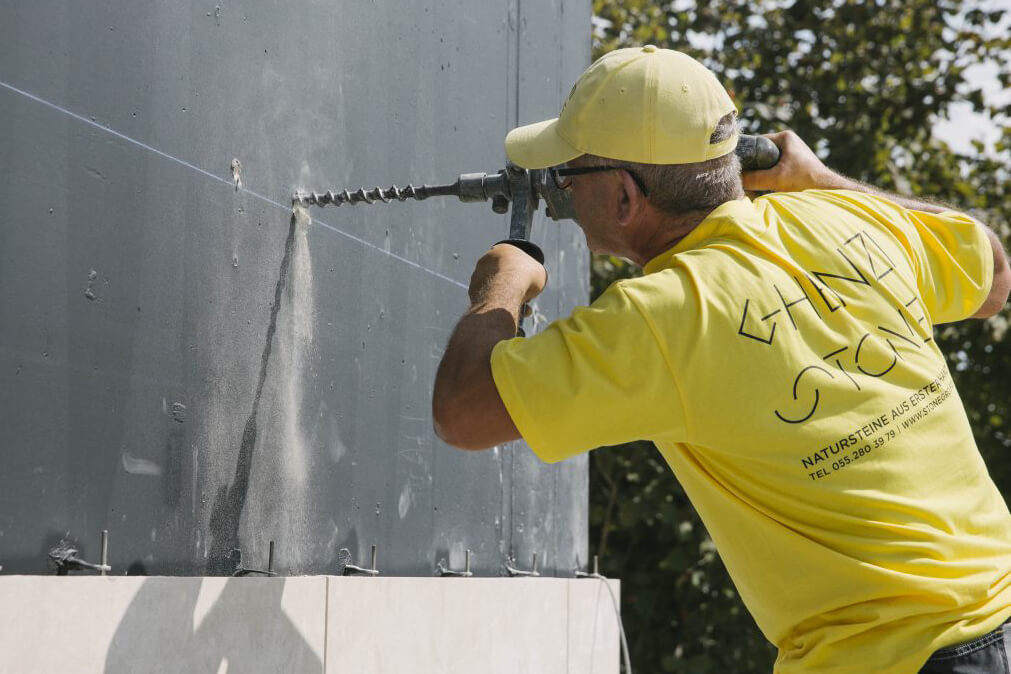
(641, 104)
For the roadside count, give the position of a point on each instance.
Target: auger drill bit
(362, 195)
(468, 187)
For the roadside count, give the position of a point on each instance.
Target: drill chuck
(482, 186)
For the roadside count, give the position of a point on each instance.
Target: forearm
(800, 169)
(466, 407)
(835, 181)
(467, 360)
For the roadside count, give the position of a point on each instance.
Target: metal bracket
(513, 572)
(348, 569)
(242, 571)
(443, 569)
(64, 557)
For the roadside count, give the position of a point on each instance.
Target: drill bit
(361, 195)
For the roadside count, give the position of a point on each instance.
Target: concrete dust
(296, 364)
(267, 497)
(277, 505)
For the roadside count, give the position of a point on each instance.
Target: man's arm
(466, 407)
(800, 169)
(1001, 286)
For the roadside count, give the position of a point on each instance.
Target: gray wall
(181, 364)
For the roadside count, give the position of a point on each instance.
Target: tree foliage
(863, 82)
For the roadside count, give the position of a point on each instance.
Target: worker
(779, 353)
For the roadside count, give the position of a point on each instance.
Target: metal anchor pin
(65, 557)
(443, 569)
(348, 569)
(104, 560)
(520, 572)
(596, 570)
(242, 571)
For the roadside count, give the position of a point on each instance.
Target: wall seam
(326, 622)
(568, 626)
(519, 51)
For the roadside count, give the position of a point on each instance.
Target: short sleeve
(954, 265)
(950, 254)
(598, 377)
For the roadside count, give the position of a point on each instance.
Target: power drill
(522, 188)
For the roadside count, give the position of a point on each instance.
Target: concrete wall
(182, 365)
(307, 625)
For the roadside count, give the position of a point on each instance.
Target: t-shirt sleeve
(950, 253)
(599, 377)
(955, 266)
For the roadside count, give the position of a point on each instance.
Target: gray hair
(677, 189)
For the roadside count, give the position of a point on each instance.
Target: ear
(631, 201)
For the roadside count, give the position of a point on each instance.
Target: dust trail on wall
(289, 515)
(231, 500)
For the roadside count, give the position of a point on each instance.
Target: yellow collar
(736, 210)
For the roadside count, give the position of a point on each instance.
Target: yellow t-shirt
(781, 359)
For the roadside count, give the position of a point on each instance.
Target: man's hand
(466, 407)
(798, 169)
(506, 272)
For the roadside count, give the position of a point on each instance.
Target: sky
(963, 126)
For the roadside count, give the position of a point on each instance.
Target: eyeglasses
(562, 179)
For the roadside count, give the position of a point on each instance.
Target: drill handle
(756, 152)
(524, 197)
(534, 251)
(527, 246)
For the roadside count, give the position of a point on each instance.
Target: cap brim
(538, 146)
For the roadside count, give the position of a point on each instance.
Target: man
(778, 352)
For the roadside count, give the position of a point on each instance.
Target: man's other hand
(798, 169)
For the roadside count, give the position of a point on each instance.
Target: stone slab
(161, 625)
(310, 625)
(489, 625)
